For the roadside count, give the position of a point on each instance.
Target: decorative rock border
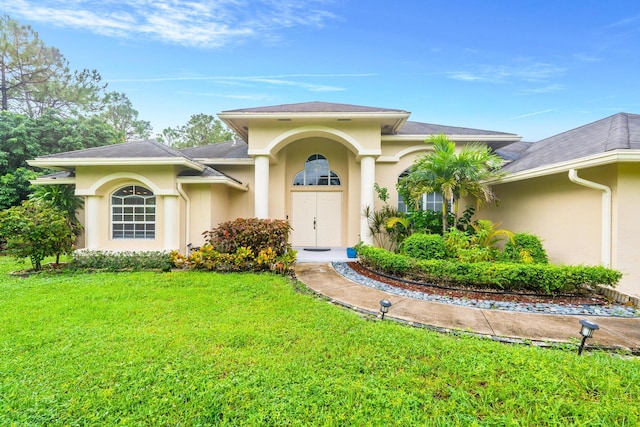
(612, 310)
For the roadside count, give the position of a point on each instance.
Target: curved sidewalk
(614, 332)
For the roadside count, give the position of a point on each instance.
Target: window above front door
(316, 172)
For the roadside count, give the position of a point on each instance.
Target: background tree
(23, 138)
(454, 174)
(35, 78)
(120, 114)
(201, 129)
(15, 187)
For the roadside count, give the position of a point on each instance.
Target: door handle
(314, 222)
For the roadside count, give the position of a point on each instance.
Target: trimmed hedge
(424, 246)
(541, 278)
(121, 261)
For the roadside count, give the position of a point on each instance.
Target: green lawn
(244, 349)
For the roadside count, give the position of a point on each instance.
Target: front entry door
(316, 218)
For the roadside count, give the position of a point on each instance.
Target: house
(316, 164)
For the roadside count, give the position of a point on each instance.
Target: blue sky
(535, 68)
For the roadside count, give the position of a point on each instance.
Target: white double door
(316, 218)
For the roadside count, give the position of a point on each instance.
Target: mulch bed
(590, 299)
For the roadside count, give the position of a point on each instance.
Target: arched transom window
(133, 213)
(316, 172)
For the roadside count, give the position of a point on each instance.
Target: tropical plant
(453, 174)
(525, 247)
(487, 235)
(388, 226)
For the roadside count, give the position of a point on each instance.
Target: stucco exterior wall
(97, 183)
(626, 255)
(567, 217)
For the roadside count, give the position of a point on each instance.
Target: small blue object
(351, 252)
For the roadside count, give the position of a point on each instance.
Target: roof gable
(315, 107)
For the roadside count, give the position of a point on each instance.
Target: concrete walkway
(541, 329)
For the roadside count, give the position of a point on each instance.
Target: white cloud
(544, 89)
(535, 113)
(188, 23)
(535, 72)
(276, 80)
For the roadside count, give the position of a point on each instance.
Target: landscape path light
(587, 332)
(384, 307)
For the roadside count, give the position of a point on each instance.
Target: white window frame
(133, 213)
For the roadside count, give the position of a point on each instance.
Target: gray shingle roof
(514, 150)
(223, 150)
(618, 132)
(316, 107)
(417, 128)
(207, 172)
(139, 149)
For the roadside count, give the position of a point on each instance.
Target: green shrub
(424, 246)
(455, 240)
(121, 261)
(254, 233)
(36, 230)
(243, 259)
(541, 278)
(525, 248)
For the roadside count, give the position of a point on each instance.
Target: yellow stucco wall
(626, 255)
(568, 217)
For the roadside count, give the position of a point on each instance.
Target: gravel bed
(613, 310)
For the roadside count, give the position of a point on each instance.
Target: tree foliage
(201, 129)
(120, 114)
(36, 230)
(35, 78)
(15, 187)
(454, 174)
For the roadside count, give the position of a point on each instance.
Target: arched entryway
(316, 205)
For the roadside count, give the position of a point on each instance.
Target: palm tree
(454, 174)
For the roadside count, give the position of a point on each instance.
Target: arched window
(133, 213)
(316, 172)
(429, 201)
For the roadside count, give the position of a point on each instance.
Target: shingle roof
(417, 128)
(316, 107)
(207, 172)
(514, 150)
(618, 132)
(223, 150)
(139, 149)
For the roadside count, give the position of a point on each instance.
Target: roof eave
(53, 181)
(62, 163)
(455, 138)
(214, 180)
(600, 159)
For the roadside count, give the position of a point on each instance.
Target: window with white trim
(133, 213)
(428, 201)
(316, 172)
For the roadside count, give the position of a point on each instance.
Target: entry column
(261, 190)
(367, 197)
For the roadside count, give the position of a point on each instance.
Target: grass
(188, 349)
